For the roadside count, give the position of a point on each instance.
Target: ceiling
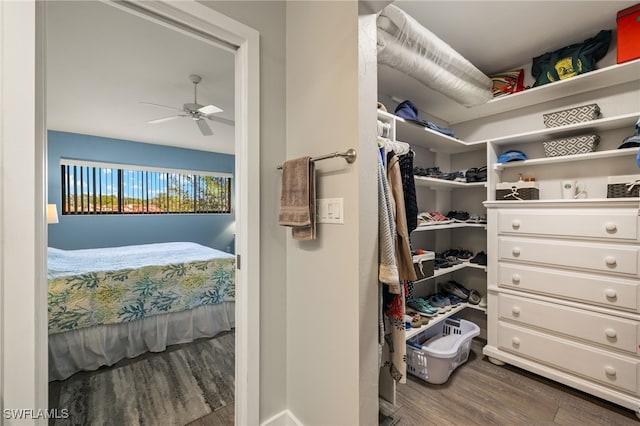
(102, 62)
(497, 36)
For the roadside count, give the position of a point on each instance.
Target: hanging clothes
(409, 191)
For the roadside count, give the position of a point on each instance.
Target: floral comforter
(120, 284)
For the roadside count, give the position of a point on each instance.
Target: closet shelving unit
(441, 146)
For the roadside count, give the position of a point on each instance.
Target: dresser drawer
(590, 256)
(614, 370)
(606, 330)
(619, 224)
(616, 293)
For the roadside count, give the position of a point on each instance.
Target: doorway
(184, 17)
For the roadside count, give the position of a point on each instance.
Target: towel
(298, 198)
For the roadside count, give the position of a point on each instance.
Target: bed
(108, 304)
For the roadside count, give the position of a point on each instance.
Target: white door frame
(23, 330)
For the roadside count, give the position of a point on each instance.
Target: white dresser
(564, 293)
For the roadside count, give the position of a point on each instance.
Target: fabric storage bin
(572, 115)
(433, 354)
(424, 264)
(628, 26)
(517, 191)
(623, 186)
(571, 146)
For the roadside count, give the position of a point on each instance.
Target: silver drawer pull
(516, 251)
(610, 332)
(610, 261)
(515, 224)
(515, 278)
(610, 227)
(515, 341)
(515, 310)
(610, 293)
(610, 371)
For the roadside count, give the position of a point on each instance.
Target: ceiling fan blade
(210, 109)
(204, 127)
(161, 106)
(160, 120)
(222, 120)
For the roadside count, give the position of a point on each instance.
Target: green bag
(570, 60)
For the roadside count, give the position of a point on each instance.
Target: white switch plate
(330, 210)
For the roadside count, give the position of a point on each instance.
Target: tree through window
(101, 188)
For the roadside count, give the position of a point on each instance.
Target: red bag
(507, 82)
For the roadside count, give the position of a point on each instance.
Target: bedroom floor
(481, 393)
(186, 384)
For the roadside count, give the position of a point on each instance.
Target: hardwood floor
(481, 393)
(222, 417)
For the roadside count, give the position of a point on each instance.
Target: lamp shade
(52, 213)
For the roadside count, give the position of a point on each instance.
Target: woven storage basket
(572, 115)
(506, 191)
(623, 186)
(571, 146)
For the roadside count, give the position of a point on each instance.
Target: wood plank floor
(481, 393)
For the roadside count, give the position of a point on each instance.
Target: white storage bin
(433, 354)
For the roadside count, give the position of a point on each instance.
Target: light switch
(330, 210)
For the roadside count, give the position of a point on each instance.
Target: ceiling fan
(194, 110)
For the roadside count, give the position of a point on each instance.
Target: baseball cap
(511, 155)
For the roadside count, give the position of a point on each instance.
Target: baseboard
(283, 418)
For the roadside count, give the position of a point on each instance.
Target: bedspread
(121, 284)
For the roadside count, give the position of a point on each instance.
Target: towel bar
(350, 156)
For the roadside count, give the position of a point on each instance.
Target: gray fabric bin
(571, 116)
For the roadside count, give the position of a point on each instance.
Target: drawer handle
(515, 224)
(610, 293)
(515, 341)
(610, 332)
(610, 371)
(610, 260)
(516, 251)
(515, 310)
(610, 227)
(515, 278)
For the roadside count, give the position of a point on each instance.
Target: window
(99, 188)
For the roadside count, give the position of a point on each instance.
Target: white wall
(267, 17)
(328, 280)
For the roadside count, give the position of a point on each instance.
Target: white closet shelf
(593, 126)
(594, 80)
(569, 158)
(450, 226)
(586, 202)
(417, 135)
(444, 271)
(435, 320)
(436, 183)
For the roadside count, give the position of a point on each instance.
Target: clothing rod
(350, 156)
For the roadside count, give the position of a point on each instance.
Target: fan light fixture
(193, 110)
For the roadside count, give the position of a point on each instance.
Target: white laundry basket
(433, 354)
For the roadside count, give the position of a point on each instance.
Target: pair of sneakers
(476, 174)
(422, 306)
(457, 289)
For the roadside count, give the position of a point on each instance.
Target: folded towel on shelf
(297, 200)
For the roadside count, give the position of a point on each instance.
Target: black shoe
(480, 258)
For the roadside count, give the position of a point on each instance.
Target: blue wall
(78, 232)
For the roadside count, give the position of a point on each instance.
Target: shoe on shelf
(440, 302)
(457, 290)
(422, 306)
(423, 320)
(480, 258)
(483, 302)
(474, 297)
